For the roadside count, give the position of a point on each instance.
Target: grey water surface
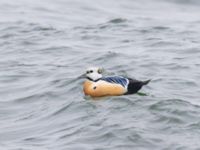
(45, 45)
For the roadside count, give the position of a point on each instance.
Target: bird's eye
(91, 71)
(87, 72)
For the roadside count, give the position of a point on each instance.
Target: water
(44, 47)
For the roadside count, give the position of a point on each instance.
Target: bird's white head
(94, 73)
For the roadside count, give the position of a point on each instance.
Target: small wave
(174, 111)
(117, 20)
(186, 2)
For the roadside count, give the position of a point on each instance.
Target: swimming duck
(97, 86)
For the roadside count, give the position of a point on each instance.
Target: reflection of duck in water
(96, 85)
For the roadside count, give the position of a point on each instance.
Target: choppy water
(45, 45)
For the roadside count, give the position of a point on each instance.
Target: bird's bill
(82, 76)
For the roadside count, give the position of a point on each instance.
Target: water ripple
(45, 46)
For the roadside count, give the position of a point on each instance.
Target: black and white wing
(117, 80)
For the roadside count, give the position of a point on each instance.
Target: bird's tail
(146, 82)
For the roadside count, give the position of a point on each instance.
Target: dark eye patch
(90, 71)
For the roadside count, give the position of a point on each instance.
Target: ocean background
(45, 45)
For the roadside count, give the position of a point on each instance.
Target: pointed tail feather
(134, 85)
(146, 82)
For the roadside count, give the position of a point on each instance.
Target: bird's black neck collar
(92, 79)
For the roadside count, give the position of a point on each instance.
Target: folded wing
(117, 80)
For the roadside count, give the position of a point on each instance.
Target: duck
(96, 85)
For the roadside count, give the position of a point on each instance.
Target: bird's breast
(103, 88)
